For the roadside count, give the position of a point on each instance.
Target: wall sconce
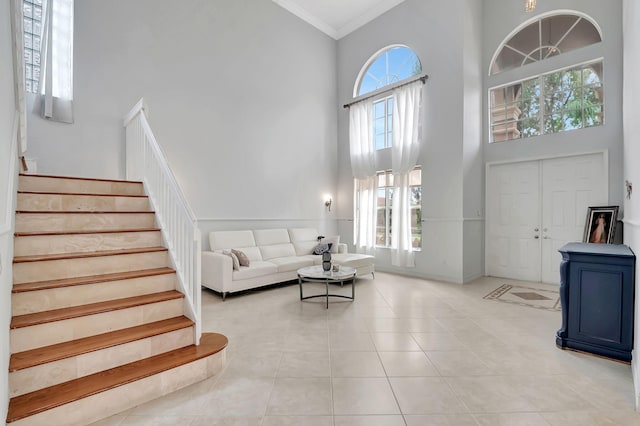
(327, 202)
(529, 5)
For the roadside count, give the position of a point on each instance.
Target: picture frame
(600, 225)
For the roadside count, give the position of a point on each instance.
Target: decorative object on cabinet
(597, 296)
(600, 225)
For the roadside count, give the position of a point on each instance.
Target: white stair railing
(146, 162)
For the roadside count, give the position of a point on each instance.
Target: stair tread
(80, 178)
(84, 212)
(54, 396)
(33, 357)
(92, 279)
(27, 320)
(76, 255)
(83, 232)
(84, 194)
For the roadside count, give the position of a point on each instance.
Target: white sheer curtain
(363, 166)
(404, 155)
(56, 77)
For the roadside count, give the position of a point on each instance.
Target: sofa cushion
(355, 260)
(315, 260)
(242, 258)
(335, 241)
(257, 269)
(286, 264)
(277, 250)
(253, 253)
(321, 248)
(304, 240)
(265, 237)
(304, 247)
(219, 240)
(303, 234)
(234, 259)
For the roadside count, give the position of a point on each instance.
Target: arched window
(555, 101)
(385, 67)
(544, 37)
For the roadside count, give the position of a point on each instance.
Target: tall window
(32, 27)
(384, 210)
(553, 101)
(387, 116)
(388, 66)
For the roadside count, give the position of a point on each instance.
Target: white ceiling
(337, 18)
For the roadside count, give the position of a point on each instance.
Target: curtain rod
(423, 78)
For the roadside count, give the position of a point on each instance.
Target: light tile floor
(406, 352)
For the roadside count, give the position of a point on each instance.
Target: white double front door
(534, 208)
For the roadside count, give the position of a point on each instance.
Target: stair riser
(76, 243)
(64, 297)
(82, 267)
(40, 376)
(116, 400)
(77, 186)
(62, 202)
(40, 335)
(60, 222)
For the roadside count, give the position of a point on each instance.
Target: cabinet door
(600, 305)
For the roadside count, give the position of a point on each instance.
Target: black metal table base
(327, 281)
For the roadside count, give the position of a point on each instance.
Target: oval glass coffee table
(315, 274)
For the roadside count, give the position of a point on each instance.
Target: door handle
(537, 229)
(536, 237)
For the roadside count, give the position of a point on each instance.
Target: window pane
(381, 219)
(378, 109)
(27, 10)
(378, 126)
(380, 141)
(529, 127)
(593, 115)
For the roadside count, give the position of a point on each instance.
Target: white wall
(242, 99)
(631, 104)
(503, 16)
(442, 37)
(472, 153)
(7, 113)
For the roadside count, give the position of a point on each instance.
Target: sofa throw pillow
(242, 258)
(322, 248)
(234, 259)
(335, 241)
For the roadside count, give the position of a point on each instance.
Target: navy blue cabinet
(597, 292)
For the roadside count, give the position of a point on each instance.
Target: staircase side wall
(7, 114)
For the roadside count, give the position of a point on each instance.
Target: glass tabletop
(317, 272)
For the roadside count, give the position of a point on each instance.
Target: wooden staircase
(98, 326)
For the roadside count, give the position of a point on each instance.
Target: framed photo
(601, 225)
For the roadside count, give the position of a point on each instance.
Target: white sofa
(275, 256)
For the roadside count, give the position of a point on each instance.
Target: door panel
(569, 186)
(513, 214)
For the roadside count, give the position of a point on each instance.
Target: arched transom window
(385, 67)
(545, 37)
